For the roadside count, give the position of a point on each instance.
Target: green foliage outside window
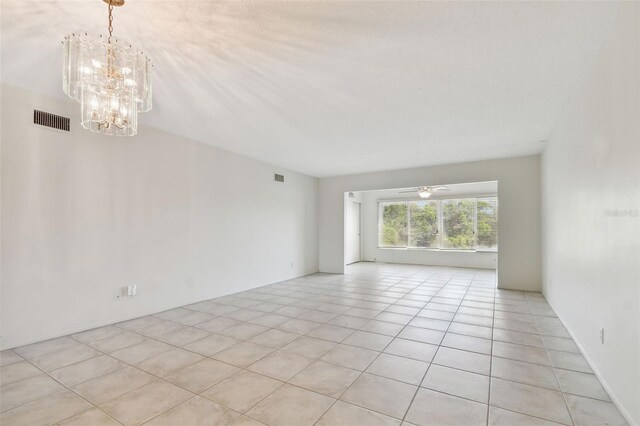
(488, 223)
(416, 224)
(394, 218)
(457, 222)
(423, 224)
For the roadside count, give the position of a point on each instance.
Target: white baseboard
(603, 382)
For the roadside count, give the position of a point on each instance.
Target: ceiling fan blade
(440, 188)
(404, 192)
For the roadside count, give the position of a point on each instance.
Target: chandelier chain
(110, 20)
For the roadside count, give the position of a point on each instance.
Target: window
(393, 232)
(423, 224)
(487, 223)
(456, 224)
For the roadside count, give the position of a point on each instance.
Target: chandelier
(109, 77)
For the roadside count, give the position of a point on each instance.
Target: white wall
(591, 193)
(459, 258)
(519, 211)
(83, 214)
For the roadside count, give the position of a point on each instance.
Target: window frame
(440, 223)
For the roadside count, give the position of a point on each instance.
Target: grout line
(88, 409)
(54, 393)
(438, 350)
(362, 372)
(555, 375)
(184, 402)
(288, 381)
(493, 329)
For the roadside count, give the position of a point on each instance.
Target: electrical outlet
(602, 336)
(117, 294)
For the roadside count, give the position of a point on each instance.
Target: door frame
(359, 231)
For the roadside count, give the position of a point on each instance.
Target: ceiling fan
(426, 191)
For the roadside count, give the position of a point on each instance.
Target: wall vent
(53, 121)
(278, 178)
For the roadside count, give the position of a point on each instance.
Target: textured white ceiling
(335, 87)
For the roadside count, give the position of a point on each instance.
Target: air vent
(53, 121)
(278, 178)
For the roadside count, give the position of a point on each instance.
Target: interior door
(353, 254)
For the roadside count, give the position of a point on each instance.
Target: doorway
(353, 233)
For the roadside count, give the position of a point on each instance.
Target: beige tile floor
(381, 345)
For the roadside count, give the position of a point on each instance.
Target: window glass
(393, 225)
(458, 224)
(487, 223)
(423, 224)
(462, 224)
